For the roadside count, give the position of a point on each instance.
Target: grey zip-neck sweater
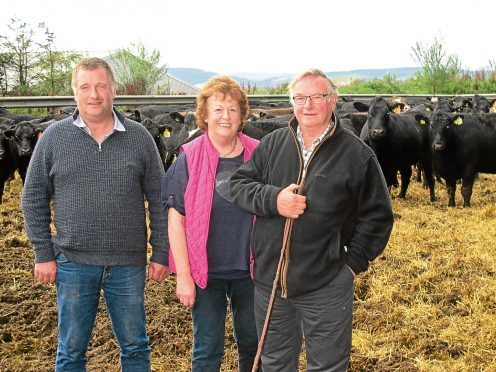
(98, 194)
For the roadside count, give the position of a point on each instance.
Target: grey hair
(311, 72)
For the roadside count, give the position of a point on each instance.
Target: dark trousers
(325, 318)
(209, 317)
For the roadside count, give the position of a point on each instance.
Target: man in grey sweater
(98, 168)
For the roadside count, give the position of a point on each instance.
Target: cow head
(462, 104)
(378, 118)
(442, 124)
(444, 104)
(24, 135)
(480, 104)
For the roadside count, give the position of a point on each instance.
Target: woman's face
(223, 116)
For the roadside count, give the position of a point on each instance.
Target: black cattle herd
(448, 140)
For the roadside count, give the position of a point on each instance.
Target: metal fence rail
(58, 101)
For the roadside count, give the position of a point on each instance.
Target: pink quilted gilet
(202, 159)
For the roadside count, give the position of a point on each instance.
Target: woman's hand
(185, 290)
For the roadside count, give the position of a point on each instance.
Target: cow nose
(378, 132)
(25, 151)
(438, 147)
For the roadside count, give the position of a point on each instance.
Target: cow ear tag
(397, 110)
(166, 133)
(422, 121)
(458, 121)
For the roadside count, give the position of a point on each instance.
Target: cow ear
(138, 116)
(10, 132)
(458, 119)
(422, 119)
(395, 107)
(177, 117)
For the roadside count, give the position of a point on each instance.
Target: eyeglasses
(315, 98)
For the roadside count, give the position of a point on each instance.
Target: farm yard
(427, 304)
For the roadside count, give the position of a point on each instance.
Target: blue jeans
(209, 317)
(78, 293)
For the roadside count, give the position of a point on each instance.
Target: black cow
(462, 104)
(17, 118)
(181, 129)
(353, 115)
(480, 104)
(399, 141)
(444, 104)
(7, 166)
(354, 106)
(154, 110)
(261, 127)
(157, 132)
(463, 145)
(22, 140)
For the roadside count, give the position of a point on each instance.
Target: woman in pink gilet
(210, 236)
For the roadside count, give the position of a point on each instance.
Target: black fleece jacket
(348, 218)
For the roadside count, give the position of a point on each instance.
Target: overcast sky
(269, 36)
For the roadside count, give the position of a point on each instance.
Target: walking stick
(287, 229)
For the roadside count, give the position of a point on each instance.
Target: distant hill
(198, 77)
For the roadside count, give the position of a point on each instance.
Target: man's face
(94, 95)
(313, 115)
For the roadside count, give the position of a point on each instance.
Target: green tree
(55, 67)
(138, 71)
(5, 62)
(19, 49)
(30, 63)
(438, 69)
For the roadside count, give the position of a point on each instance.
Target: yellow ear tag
(422, 121)
(166, 133)
(458, 121)
(397, 110)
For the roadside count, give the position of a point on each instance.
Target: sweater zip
(301, 182)
(99, 144)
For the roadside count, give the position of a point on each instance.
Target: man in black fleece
(320, 187)
(98, 168)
